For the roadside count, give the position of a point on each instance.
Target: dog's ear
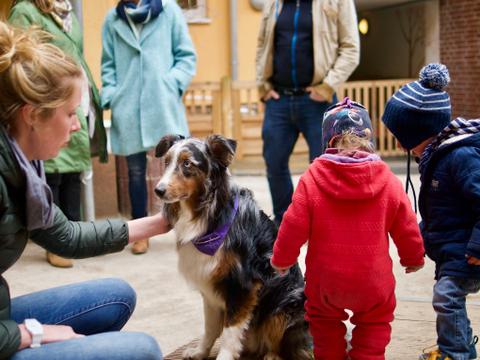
(221, 149)
(166, 143)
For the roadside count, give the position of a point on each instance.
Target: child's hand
(411, 269)
(472, 260)
(282, 271)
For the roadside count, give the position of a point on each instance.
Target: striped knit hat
(420, 109)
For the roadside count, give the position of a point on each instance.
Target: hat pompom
(434, 76)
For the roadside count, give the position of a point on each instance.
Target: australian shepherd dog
(224, 244)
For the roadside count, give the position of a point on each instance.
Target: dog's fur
(256, 312)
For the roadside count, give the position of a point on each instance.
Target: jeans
(66, 193)
(97, 309)
(453, 326)
(284, 120)
(137, 183)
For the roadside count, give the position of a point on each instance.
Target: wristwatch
(36, 330)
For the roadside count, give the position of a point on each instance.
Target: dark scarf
(457, 127)
(142, 13)
(38, 196)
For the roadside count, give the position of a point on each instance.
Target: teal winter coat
(144, 78)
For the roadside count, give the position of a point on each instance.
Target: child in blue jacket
(419, 116)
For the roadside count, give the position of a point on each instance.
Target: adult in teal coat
(64, 171)
(148, 61)
(40, 92)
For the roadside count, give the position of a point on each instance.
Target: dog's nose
(160, 190)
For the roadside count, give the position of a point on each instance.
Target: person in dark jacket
(419, 116)
(40, 88)
(305, 50)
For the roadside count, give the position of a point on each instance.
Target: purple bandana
(209, 243)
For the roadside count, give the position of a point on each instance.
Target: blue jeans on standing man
(284, 120)
(137, 183)
(97, 309)
(453, 326)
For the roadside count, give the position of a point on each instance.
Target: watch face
(33, 326)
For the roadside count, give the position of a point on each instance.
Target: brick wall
(460, 51)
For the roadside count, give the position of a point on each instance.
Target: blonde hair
(34, 72)
(349, 141)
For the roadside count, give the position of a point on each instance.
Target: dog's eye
(187, 163)
(167, 162)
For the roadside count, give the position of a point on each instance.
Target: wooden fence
(233, 108)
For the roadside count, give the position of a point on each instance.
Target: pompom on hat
(421, 109)
(345, 116)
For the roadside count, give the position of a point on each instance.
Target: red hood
(350, 180)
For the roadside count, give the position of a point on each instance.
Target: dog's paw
(195, 353)
(225, 355)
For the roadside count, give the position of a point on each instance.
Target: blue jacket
(144, 79)
(450, 207)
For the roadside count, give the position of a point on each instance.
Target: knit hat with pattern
(420, 109)
(345, 116)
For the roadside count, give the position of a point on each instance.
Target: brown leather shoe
(140, 247)
(59, 261)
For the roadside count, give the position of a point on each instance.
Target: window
(195, 10)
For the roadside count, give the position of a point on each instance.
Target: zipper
(294, 44)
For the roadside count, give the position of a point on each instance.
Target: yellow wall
(4, 7)
(212, 40)
(248, 25)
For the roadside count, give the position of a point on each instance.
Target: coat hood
(353, 181)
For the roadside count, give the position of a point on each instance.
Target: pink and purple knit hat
(345, 116)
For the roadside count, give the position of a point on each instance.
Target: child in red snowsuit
(345, 205)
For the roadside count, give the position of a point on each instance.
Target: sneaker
(437, 355)
(433, 355)
(140, 247)
(58, 261)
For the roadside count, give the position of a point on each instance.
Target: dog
(224, 244)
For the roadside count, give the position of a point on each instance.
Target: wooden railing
(234, 109)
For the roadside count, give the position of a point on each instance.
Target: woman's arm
(146, 227)
(82, 239)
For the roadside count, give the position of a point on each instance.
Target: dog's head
(192, 166)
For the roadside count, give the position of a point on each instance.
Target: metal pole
(233, 39)
(87, 196)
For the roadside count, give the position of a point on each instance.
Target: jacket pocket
(330, 8)
(172, 86)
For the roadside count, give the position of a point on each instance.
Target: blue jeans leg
(137, 183)
(284, 120)
(279, 135)
(106, 346)
(453, 326)
(89, 307)
(309, 121)
(98, 309)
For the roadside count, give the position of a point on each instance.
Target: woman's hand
(51, 333)
(146, 227)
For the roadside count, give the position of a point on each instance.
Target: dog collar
(209, 243)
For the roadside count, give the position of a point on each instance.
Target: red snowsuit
(346, 211)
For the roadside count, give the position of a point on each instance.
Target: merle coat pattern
(256, 312)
